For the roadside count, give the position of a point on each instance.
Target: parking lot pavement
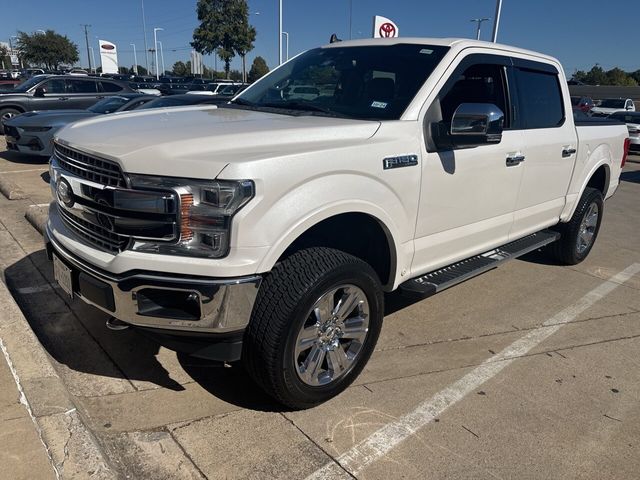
(528, 371)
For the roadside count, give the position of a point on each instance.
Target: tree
(47, 49)
(4, 56)
(181, 69)
(224, 29)
(235, 75)
(259, 68)
(617, 76)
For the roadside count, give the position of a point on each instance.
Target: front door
(53, 97)
(468, 195)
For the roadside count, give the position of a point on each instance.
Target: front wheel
(579, 234)
(314, 326)
(6, 114)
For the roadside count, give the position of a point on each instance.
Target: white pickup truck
(268, 230)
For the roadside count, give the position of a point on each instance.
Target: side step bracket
(433, 282)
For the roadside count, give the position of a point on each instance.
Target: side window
(135, 105)
(540, 98)
(479, 83)
(110, 87)
(56, 86)
(82, 86)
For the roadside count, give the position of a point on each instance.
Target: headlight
(206, 210)
(35, 129)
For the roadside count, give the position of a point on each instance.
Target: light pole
(479, 22)
(161, 56)
(350, 17)
(496, 22)
(135, 59)
(155, 47)
(144, 30)
(286, 34)
(280, 33)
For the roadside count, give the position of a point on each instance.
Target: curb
(72, 449)
(11, 190)
(37, 217)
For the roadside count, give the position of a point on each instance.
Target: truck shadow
(75, 336)
(631, 176)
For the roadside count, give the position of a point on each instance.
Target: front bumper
(163, 302)
(31, 144)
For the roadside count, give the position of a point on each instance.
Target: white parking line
(382, 441)
(40, 205)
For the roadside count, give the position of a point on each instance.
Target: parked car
(221, 89)
(182, 100)
(267, 230)
(612, 105)
(32, 132)
(584, 104)
(54, 92)
(632, 119)
(172, 88)
(146, 88)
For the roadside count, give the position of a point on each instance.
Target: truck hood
(199, 141)
(46, 118)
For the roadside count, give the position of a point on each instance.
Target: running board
(443, 278)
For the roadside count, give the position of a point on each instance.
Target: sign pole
(496, 21)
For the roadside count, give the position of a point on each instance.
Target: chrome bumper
(224, 305)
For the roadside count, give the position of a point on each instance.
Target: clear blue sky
(562, 28)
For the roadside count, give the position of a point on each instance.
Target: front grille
(98, 170)
(94, 234)
(12, 132)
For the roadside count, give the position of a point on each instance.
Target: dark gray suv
(53, 92)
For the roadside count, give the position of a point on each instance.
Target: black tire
(5, 114)
(284, 304)
(566, 249)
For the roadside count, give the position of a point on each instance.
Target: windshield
(108, 105)
(27, 84)
(612, 103)
(370, 83)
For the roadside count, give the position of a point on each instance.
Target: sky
(561, 28)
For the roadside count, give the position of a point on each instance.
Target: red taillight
(627, 143)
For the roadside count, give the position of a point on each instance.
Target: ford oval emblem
(107, 47)
(64, 192)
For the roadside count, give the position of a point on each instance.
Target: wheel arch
(336, 228)
(599, 177)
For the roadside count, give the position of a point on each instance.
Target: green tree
(181, 69)
(258, 69)
(224, 29)
(5, 61)
(617, 76)
(47, 49)
(235, 75)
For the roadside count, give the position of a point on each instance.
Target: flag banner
(384, 28)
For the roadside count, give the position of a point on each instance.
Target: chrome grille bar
(91, 168)
(93, 233)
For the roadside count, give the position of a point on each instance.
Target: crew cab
(55, 92)
(268, 229)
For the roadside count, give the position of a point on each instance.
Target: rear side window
(81, 86)
(110, 87)
(540, 99)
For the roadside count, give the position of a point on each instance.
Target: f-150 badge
(401, 161)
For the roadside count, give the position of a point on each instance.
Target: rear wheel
(315, 324)
(579, 234)
(6, 114)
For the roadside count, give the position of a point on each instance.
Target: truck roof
(457, 43)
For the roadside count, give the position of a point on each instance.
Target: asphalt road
(528, 371)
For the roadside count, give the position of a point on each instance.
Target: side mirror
(472, 125)
(40, 91)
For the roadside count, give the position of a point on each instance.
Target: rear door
(549, 145)
(82, 92)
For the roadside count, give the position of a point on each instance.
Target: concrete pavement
(439, 398)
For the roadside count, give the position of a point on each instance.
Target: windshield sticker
(379, 104)
(426, 51)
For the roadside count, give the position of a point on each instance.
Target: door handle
(513, 160)
(567, 152)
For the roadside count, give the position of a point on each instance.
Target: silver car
(632, 119)
(32, 132)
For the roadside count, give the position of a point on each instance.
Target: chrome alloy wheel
(7, 115)
(588, 228)
(332, 336)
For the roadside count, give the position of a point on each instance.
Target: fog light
(176, 304)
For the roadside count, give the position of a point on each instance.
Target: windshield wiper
(302, 106)
(243, 102)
